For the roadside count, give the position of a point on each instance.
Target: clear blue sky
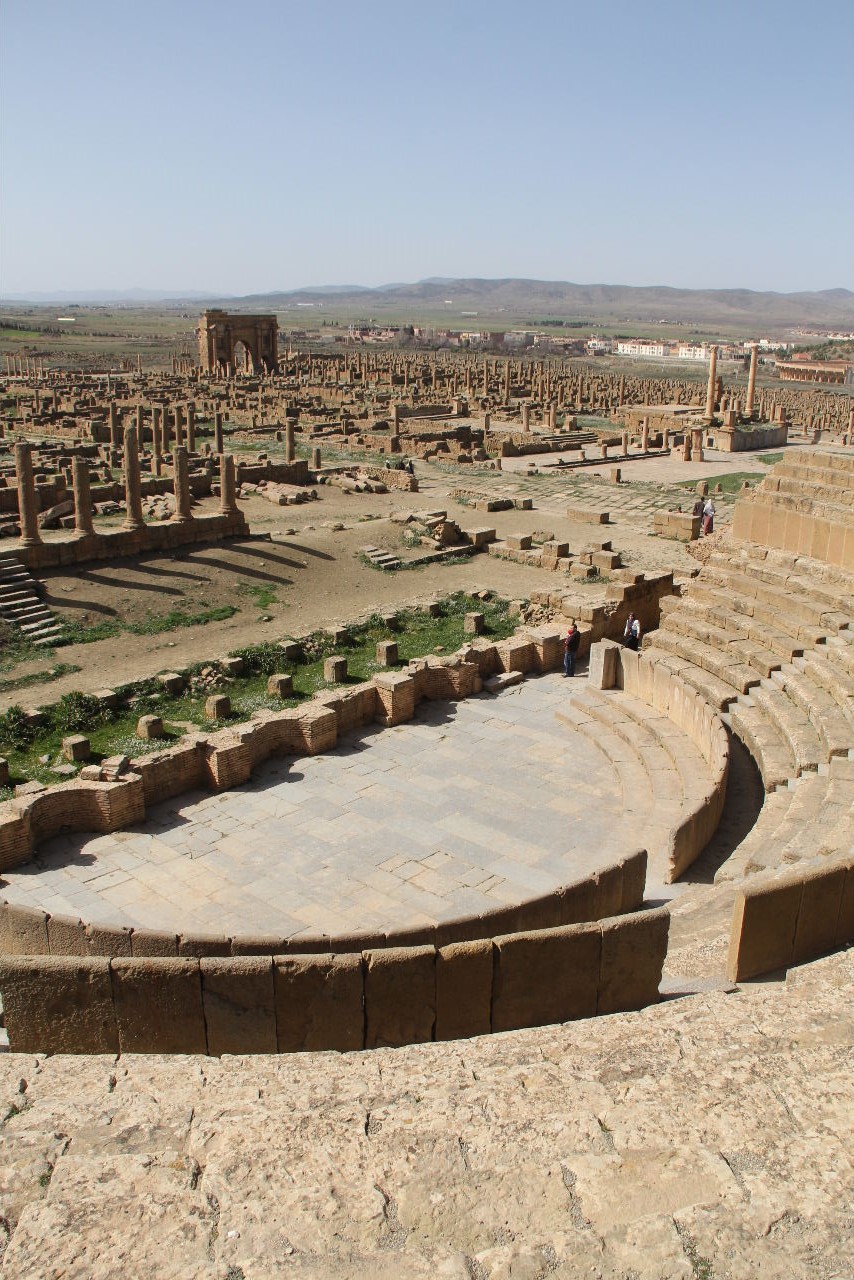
(238, 148)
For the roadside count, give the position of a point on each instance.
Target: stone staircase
(20, 603)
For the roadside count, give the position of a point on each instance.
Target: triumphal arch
(222, 332)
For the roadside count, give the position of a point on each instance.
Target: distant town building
(638, 347)
(834, 372)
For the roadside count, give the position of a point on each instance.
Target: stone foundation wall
(114, 543)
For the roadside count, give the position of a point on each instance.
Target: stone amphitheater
(501, 1125)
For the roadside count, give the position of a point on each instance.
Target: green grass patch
(14, 683)
(33, 749)
(154, 625)
(261, 594)
(770, 459)
(731, 482)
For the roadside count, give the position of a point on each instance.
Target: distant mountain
(96, 297)
(561, 299)
(515, 301)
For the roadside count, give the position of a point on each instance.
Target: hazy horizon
(657, 146)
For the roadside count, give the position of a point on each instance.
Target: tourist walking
(570, 649)
(709, 517)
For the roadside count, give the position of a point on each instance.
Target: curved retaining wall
(650, 682)
(791, 919)
(363, 1000)
(611, 891)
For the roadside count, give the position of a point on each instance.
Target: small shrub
(16, 730)
(77, 711)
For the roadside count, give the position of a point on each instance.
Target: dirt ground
(301, 570)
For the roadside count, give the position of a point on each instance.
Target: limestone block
(280, 685)
(158, 1004)
(335, 670)
(519, 541)
(150, 727)
(58, 1004)
(433, 609)
(4, 772)
(464, 990)
(604, 659)
(108, 940)
(239, 1004)
(291, 650)
(217, 706)
(633, 951)
(605, 561)
(232, 666)
(578, 569)
(762, 933)
(204, 944)
(148, 942)
(609, 891)
(66, 936)
(23, 931)
(396, 696)
(634, 880)
(387, 653)
(481, 537)
(821, 899)
(319, 1002)
(76, 747)
(172, 682)
(547, 976)
(474, 624)
(400, 996)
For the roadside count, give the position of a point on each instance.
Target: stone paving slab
(471, 806)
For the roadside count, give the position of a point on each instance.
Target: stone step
(835, 731)
(691, 623)
(725, 614)
(793, 725)
(714, 691)
(818, 588)
(502, 680)
(760, 836)
(727, 668)
(775, 760)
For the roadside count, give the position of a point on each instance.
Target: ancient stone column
(191, 427)
(315, 458)
(625, 442)
(227, 488)
(114, 426)
(183, 510)
(526, 416)
(395, 424)
(665, 439)
(645, 435)
(139, 422)
(179, 426)
(28, 512)
(697, 444)
(82, 496)
(167, 442)
(290, 445)
(686, 447)
(710, 393)
(552, 417)
(751, 380)
(156, 440)
(218, 431)
(133, 493)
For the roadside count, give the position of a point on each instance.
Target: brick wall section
(377, 997)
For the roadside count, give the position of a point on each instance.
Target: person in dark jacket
(570, 649)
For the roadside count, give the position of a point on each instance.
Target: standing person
(570, 649)
(709, 516)
(632, 632)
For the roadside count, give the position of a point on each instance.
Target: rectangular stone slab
(239, 1004)
(158, 1004)
(319, 1002)
(58, 1004)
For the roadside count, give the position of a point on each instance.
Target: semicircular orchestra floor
(472, 806)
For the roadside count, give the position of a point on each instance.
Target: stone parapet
(374, 998)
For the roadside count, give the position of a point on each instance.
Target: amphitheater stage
(473, 806)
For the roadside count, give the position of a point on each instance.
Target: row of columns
(134, 519)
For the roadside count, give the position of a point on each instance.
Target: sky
(239, 149)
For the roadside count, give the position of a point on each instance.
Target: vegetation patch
(33, 746)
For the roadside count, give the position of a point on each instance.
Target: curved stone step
(761, 835)
(714, 691)
(793, 725)
(775, 760)
(727, 668)
(835, 731)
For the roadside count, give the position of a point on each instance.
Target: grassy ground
(154, 625)
(730, 482)
(33, 751)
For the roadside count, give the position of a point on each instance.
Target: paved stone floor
(467, 808)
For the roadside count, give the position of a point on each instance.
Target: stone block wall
(363, 1000)
(791, 919)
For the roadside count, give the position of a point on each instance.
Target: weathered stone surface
(704, 1136)
(239, 1004)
